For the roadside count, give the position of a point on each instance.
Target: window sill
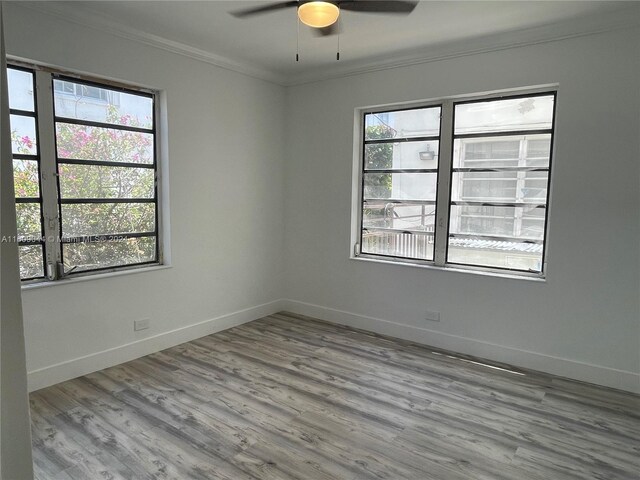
(90, 277)
(486, 272)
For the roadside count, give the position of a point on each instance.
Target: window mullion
(445, 162)
(48, 172)
(520, 188)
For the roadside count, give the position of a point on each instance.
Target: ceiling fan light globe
(318, 14)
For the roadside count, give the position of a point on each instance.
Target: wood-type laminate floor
(288, 397)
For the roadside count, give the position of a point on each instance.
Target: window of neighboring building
(82, 91)
(85, 174)
(458, 182)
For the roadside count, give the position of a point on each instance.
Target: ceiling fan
(323, 15)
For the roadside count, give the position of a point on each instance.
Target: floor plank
(289, 397)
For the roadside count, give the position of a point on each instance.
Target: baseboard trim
(599, 375)
(47, 376)
(563, 367)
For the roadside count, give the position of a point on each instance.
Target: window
(458, 182)
(85, 175)
(26, 172)
(400, 172)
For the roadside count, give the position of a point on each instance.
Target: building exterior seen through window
(401, 154)
(475, 194)
(85, 174)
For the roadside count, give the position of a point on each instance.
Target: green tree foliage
(89, 182)
(27, 185)
(377, 156)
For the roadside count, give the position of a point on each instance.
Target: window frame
(44, 99)
(363, 170)
(33, 158)
(445, 173)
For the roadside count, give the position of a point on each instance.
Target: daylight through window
(85, 174)
(459, 182)
(26, 172)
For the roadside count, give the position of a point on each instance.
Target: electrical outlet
(432, 316)
(141, 324)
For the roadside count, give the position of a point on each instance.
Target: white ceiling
(267, 43)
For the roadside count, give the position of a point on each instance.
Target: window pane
(492, 152)
(20, 85)
(107, 218)
(405, 155)
(538, 151)
(501, 152)
(492, 149)
(507, 187)
(535, 187)
(94, 255)
(422, 122)
(92, 181)
(62, 86)
(478, 220)
(23, 135)
(31, 261)
(515, 114)
(400, 186)
(398, 244)
(490, 253)
(26, 178)
(399, 216)
(88, 102)
(533, 223)
(492, 221)
(103, 144)
(28, 221)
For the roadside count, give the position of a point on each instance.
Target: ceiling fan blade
(379, 6)
(327, 31)
(263, 9)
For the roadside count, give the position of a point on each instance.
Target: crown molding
(578, 27)
(113, 27)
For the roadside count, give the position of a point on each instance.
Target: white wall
(225, 161)
(233, 184)
(584, 320)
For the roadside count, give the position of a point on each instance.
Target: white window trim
(91, 276)
(443, 188)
